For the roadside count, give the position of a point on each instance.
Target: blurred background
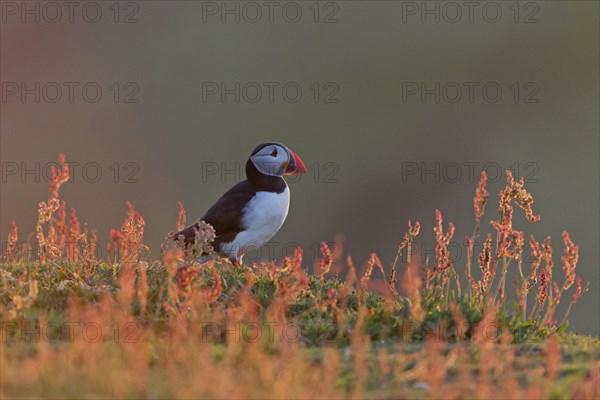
(395, 108)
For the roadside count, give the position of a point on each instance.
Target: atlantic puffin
(250, 213)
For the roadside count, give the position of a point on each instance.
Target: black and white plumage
(250, 213)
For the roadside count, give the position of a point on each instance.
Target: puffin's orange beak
(295, 166)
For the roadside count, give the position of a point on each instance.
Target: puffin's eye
(274, 153)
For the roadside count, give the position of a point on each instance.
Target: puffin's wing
(225, 215)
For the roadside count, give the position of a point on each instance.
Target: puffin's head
(275, 159)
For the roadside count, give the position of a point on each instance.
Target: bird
(250, 213)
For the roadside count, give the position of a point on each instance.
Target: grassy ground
(74, 326)
(256, 332)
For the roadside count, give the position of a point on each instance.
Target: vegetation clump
(131, 326)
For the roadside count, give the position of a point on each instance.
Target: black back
(226, 214)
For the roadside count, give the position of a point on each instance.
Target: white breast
(263, 216)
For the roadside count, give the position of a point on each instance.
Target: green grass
(383, 324)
